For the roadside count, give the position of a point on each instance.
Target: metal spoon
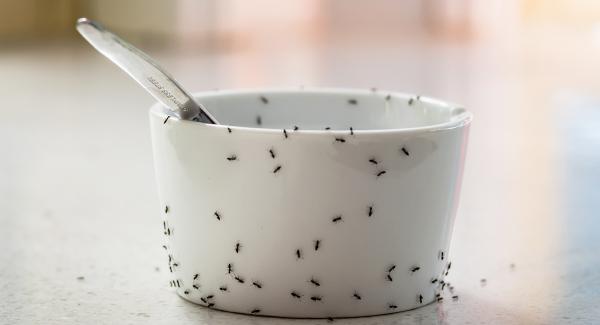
(145, 71)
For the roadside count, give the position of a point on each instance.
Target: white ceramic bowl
(351, 221)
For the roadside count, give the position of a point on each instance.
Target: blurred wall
(50, 20)
(243, 22)
(32, 19)
(201, 19)
(188, 23)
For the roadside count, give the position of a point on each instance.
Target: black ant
(296, 128)
(229, 130)
(237, 247)
(405, 151)
(203, 300)
(164, 246)
(196, 276)
(420, 299)
(434, 280)
(342, 140)
(410, 101)
(315, 282)
(218, 215)
(210, 296)
(449, 265)
(178, 285)
(352, 101)
(337, 219)
(392, 306)
(166, 119)
(255, 311)
(295, 295)
(373, 161)
(276, 169)
(370, 211)
(389, 277)
(258, 120)
(442, 255)
(210, 305)
(327, 128)
(298, 253)
(330, 319)
(232, 158)
(317, 242)
(186, 292)
(195, 286)
(357, 296)
(315, 298)
(264, 99)
(229, 268)
(272, 153)
(455, 298)
(351, 131)
(223, 288)
(257, 284)
(381, 173)
(391, 268)
(388, 97)
(285, 133)
(415, 269)
(238, 279)
(439, 299)
(166, 209)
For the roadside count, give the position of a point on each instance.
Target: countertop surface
(79, 214)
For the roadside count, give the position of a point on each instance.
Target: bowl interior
(318, 109)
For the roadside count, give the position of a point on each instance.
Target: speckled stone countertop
(79, 225)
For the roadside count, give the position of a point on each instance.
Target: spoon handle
(145, 71)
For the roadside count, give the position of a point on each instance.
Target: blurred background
(77, 193)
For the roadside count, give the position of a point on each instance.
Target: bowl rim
(461, 119)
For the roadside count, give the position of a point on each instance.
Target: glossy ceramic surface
(351, 214)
